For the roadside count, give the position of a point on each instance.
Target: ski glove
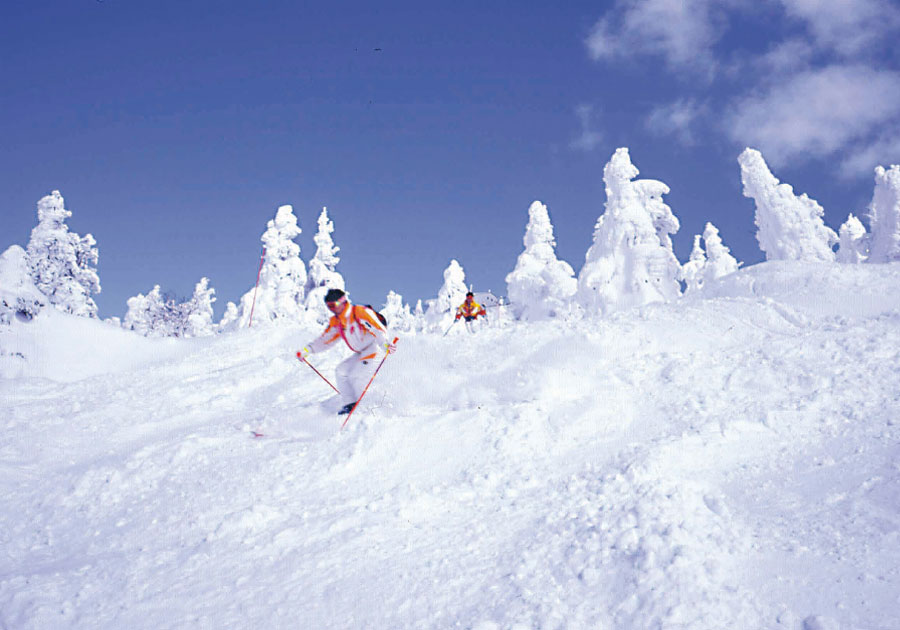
(390, 347)
(302, 354)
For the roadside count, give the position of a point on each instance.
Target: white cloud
(589, 138)
(681, 31)
(848, 27)
(791, 55)
(883, 151)
(824, 85)
(676, 119)
(685, 32)
(817, 112)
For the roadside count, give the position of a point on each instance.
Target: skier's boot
(346, 409)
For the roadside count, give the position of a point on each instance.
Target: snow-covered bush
(540, 286)
(322, 275)
(631, 261)
(451, 294)
(282, 279)
(159, 315)
(18, 295)
(151, 315)
(63, 264)
(789, 227)
(854, 242)
(884, 216)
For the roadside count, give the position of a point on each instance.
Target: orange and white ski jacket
(360, 329)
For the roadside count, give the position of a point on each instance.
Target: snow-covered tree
(62, 263)
(854, 242)
(540, 286)
(322, 275)
(419, 316)
(197, 313)
(230, 318)
(789, 227)
(282, 279)
(707, 265)
(631, 261)
(150, 315)
(884, 217)
(692, 270)
(398, 314)
(18, 295)
(450, 296)
(719, 261)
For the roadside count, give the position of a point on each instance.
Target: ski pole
(356, 404)
(448, 329)
(261, 260)
(300, 356)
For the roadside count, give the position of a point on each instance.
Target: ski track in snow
(728, 462)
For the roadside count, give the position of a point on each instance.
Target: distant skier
(470, 311)
(362, 330)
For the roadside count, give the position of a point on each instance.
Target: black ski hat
(334, 295)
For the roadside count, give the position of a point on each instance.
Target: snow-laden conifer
(398, 314)
(631, 261)
(197, 313)
(18, 295)
(62, 263)
(719, 261)
(692, 270)
(322, 274)
(451, 294)
(854, 242)
(884, 217)
(789, 227)
(540, 286)
(282, 279)
(419, 316)
(230, 318)
(707, 264)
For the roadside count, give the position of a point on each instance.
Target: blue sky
(175, 129)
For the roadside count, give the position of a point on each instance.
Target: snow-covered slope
(727, 461)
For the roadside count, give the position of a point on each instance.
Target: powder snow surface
(728, 461)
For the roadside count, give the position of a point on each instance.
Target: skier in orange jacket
(470, 311)
(364, 334)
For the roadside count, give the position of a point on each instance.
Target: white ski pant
(354, 372)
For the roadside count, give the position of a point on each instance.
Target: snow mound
(58, 347)
(819, 289)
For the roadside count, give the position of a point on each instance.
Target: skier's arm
(328, 337)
